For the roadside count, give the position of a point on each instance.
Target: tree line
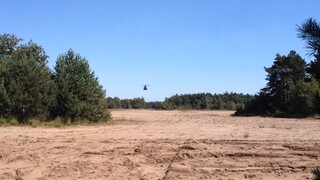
(293, 85)
(71, 91)
(30, 89)
(208, 101)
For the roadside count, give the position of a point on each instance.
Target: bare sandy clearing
(143, 144)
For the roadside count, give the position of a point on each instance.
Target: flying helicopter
(145, 87)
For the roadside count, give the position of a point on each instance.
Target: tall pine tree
(26, 85)
(80, 95)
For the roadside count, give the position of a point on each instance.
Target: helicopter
(145, 87)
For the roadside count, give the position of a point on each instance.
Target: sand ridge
(146, 144)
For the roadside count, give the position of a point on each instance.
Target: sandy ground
(143, 144)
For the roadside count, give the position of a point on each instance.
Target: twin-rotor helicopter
(145, 87)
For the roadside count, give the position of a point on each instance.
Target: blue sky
(176, 46)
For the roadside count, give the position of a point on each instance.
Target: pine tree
(80, 95)
(26, 85)
(285, 72)
(27, 88)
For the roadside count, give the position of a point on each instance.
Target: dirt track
(141, 144)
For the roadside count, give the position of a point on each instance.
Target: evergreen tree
(285, 72)
(80, 95)
(10, 48)
(293, 86)
(304, 98)
(206, 102)
(8, 45)
(126, 104)
(138, 103)
(26, 86)
(309, 31)
(314, 69)
(27, 89)
(31, 51)
(4, 97)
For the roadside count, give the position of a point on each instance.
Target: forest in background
(199, 101)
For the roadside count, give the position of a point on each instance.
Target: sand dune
(144, 144)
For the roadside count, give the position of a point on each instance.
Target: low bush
(57, 122)
(2, 121)
(13, 122)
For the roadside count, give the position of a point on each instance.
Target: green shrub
(2, 121)
(35, 123)
(81, 121)
(69, 122)
(57, 122)
(13, 122)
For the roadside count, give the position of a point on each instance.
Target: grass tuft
(246, 135)
(57, 122)
(13, 122)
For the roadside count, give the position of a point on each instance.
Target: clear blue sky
(176, 46)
